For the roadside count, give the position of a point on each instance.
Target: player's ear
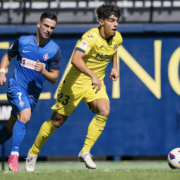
(101, 22)
(38, 24)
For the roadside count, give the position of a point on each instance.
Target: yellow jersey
(99, 52)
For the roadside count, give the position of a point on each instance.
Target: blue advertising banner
(145, 103)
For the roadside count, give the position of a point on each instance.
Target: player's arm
(12, 52)
(52, 74)
(3, 66)
(114, 74)
(78, 62)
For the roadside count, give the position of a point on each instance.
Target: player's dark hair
(106, 10)
(49, 15)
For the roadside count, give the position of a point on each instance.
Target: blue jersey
(28, 52)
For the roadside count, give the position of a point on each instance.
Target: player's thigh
(100, 106)
(20, 100)
(98, 102)
(68, 98)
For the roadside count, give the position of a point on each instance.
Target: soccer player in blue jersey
(38, 58)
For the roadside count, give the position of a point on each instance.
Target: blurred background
(144, 121)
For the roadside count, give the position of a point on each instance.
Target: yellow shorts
(70, 95)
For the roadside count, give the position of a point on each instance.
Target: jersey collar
(42, 45)
(107, 40)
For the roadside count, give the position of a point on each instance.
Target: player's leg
(46, 130)
(21, 108)
(101, 108)
(66, 102)
(99, 104)
(96, 127)
(19, 131)
(67, 99)
(6, 131)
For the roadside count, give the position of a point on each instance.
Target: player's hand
(96, 83)
(2, 79)
(114, 74)
(39, 67)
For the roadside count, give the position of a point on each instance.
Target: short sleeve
(55, 62)
(85, 44)
(13, 50)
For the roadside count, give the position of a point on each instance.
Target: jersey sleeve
(55, 62)
(85, 44)
(13, 50)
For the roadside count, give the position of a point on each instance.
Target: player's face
(110, 26)
(46, 27)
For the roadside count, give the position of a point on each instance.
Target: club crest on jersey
(21, 103)
(58, 105)
(115, 47)
(45, 57)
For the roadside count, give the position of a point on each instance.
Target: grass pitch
(124, 170)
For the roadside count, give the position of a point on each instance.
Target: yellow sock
(45, 132)
(94, 131)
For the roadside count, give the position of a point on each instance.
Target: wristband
(2, 70)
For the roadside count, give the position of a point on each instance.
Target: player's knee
(58, 119)
(25, 118)
(105, 110)
(58, 123)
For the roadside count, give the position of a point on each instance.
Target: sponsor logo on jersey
(25, 51)
(28, 63)
(45, 137)
(104, 56)
(11, 46)
(84, 44)
(115, 46)
(172, 156)
(45, 57)
(21, 103)
(90, 36)
(101, 46)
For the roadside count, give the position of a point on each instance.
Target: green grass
(124, 170)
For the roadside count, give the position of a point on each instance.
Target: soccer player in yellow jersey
(84, 81)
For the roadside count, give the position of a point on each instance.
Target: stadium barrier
(145, 104)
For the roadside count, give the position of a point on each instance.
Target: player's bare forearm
(114, 74)
(5, 61)
(51, 76)
(3, 66)
(78, 62)
(114, 61)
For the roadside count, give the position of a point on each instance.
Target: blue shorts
(19, 98)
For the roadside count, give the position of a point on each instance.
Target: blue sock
(5, 134)
(19, 131)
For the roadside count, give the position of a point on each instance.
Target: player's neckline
(107, 40)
